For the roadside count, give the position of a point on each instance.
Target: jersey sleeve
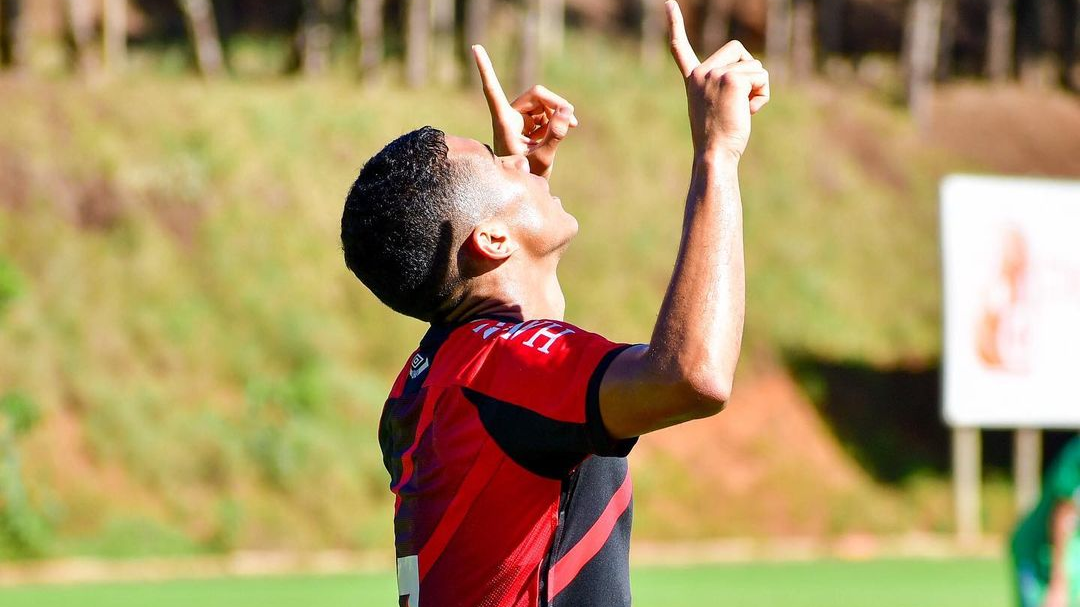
(537, 392)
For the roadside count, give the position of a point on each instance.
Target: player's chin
(560, 240)
(571, 229)
(573, 223)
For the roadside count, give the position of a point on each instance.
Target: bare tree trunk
(949, 19)
(921, 53)
(716, 26)
(1001, 27)
(316, 35)
(445, 57)
(12, 39)
(778, 38)
(1074, 71)
(114, 35)
(477, 18)
(202, 27)
(418, 42)
(802, 39)
(831, 26)
(1050, 22)
(529, 59)
(652, 31)
(1038, 38)
(1050, 34)
(369, 34)
(78, 34)
(552, 26)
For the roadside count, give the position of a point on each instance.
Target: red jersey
(509, 490)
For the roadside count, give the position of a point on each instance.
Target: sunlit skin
(510, 257)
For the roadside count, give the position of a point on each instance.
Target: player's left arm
(1063, 523)
(532, 125)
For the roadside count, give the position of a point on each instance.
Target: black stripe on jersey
(544, 446)
(395, 429)
(565, 492)
(605, 579)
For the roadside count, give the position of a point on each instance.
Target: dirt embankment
(1010, 130)
(766, 465)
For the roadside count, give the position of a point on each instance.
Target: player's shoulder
(545, 365)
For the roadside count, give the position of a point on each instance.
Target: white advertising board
(1011, 267)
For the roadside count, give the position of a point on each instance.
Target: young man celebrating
(506, 433)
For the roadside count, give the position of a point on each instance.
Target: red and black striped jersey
(509, 490)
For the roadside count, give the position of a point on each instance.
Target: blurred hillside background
(186, 366)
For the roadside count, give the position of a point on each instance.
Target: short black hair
(397, 229)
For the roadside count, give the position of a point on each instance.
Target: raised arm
(686, 370)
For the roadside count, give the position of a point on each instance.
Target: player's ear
(491, 241)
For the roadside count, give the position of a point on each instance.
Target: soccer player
(505, 434)
(1046, 543)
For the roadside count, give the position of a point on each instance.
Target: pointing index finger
(493, 92)
(684, 54)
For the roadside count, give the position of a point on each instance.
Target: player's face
(536, 219)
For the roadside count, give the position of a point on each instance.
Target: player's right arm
(686, 370)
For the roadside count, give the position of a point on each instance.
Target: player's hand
(532, 125)
(722, 92)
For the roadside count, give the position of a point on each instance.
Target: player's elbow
(707, 392)
(688, 388)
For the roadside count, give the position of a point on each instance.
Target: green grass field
(884, 583)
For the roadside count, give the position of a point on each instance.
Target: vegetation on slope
(185, 363)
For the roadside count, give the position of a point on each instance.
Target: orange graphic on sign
(1003, 330)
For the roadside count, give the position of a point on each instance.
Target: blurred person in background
(1046, 542)
(506, 433)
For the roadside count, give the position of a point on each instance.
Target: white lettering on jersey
(521, 327)
(493, 328)
(551, 337)
(550, 330)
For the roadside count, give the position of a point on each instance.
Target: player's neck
(518, 295)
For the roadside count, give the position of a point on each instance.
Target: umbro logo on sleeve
(418, 365)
